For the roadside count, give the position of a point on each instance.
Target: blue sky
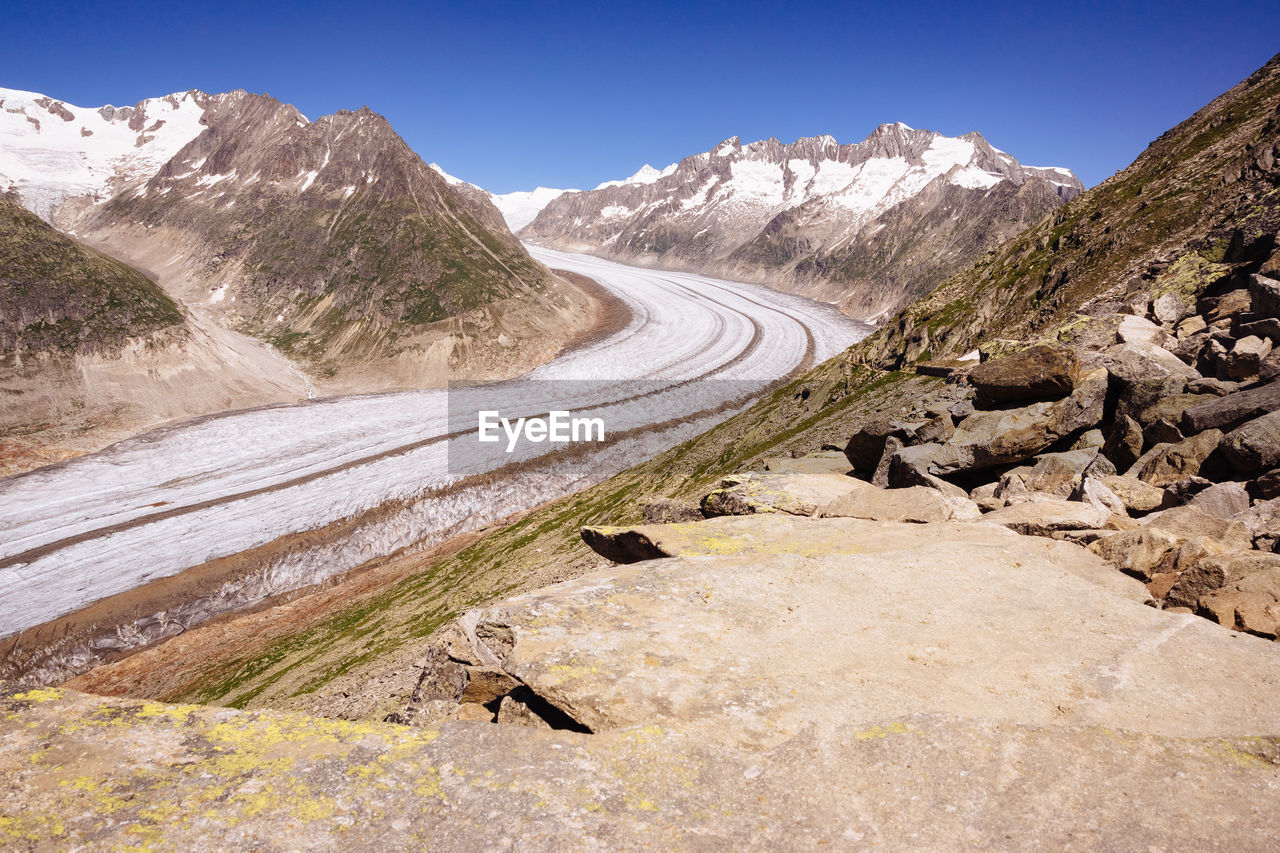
(511, 95)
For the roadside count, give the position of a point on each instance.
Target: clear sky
(512, 95)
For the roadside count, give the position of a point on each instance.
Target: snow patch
(56, 160)
(522, 207)
(646, 175)
(971, 177)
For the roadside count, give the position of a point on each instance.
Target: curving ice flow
(180, 496)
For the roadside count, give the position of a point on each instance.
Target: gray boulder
(1226, 413)
(1245, 358)
(1062, 473)
(1034, 374)
(915, 466)
(1222, 499)
(1169, 308)
(1143, 374)
(1254, 447)
(988, 439)
(1139, 330)
(866, 446)
(1264, 296)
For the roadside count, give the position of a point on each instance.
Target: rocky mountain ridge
(867, 225)
(1195, 214)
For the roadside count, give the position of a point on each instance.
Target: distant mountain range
(868, 226)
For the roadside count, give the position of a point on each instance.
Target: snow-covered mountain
(53, 150)
(517, 208)
(866, 225)
(521, 207)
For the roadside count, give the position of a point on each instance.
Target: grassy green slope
(57, 296)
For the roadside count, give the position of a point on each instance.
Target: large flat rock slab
(939, 618)
(85, 772)
(782, 535)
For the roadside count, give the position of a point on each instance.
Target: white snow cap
(646, 175)
(51, 150)
(448, 179)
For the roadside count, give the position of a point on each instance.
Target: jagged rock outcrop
(868, 226)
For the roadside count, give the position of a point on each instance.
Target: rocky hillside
(868, 226)
(1194, 215)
